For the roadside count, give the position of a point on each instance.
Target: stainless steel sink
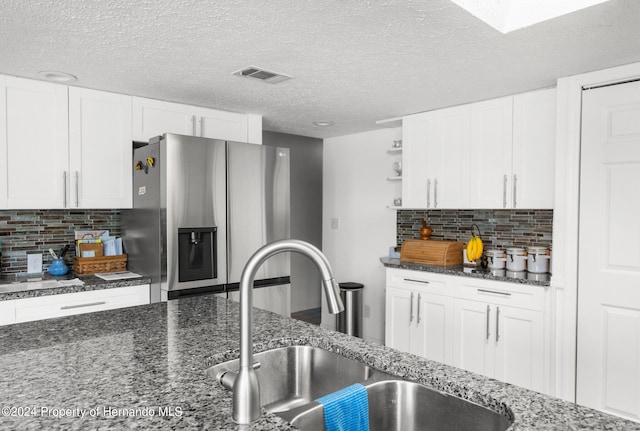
(409, 406)
(291, 378)
(294, 376)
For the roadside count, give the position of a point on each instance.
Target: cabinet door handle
(504, 191)
(64, 189)
(411, 309)
(435, 193)
(515, 182)
(193, 125)
(90, 304)
(201, 121)
(488, 314)
(77, 188)
(497, 324)
(429, 193)
(416, 281)
(495, 292)
(419, 297)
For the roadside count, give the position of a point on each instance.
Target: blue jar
(58, 267)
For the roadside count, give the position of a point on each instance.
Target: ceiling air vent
(261, 74)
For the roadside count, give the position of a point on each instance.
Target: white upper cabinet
(450, 152)
(494, 154)
(154, 117)
(63, 147)
(534, 135)
(416, 178)
(34, 152)
(490, 153)
(100, 149)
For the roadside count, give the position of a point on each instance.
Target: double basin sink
(291, 378)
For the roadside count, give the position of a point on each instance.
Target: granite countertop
(522, 277)
(12, 287)
(144, 367)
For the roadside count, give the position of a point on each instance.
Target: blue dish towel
(346, 409)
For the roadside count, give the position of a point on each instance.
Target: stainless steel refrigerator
(201, 208)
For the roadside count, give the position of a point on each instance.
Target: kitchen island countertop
(522, 277)
(144, 367)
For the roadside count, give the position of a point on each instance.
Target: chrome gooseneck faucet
(246, 391)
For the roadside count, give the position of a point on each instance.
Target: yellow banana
(478, 248)
(471, 248)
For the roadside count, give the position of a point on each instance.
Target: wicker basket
(92, 265)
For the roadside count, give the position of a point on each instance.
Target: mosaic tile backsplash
(23, 231)
(499, 228)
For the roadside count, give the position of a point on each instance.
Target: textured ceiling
(353, 61)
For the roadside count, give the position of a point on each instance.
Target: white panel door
(490, 153)
(473, 346)
(434, 328)
(100, 149)
(519, 348)
(608, 363)
(399, 318)
(34, 157)
(154, 117)
(534, 138)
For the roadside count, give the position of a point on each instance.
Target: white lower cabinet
(67, 304)
(418, 320)
(502, 342)
(492, 328)
(7, 312)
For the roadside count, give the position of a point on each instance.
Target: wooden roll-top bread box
(432, 252)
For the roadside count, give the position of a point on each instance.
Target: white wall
(356, 191)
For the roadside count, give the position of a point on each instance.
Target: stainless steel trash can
(349, 321)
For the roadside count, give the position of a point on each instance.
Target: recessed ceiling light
(53, 75)
(324, 123)
(510, 15)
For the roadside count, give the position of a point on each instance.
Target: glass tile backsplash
(35, 231)
(499, 228)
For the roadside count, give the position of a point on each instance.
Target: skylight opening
(509, 15)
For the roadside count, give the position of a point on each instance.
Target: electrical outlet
(367, 311)
(335, 223)
(34, 263)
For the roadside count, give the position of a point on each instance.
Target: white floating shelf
(394, 150)
(394, 178)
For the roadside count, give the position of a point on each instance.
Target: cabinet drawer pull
(494, 292)
(77, 189)
(91, 304)
(416, 281)
(435, 193)
(64, 189)
(419, 297)
(411, 309)
(515, 182)
(429, 193)
(497, 324)
(488, 314)
(504, 191)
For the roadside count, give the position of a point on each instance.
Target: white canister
(516, 259)
(537, 260)
(496, 258)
